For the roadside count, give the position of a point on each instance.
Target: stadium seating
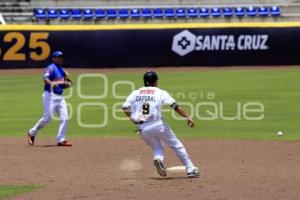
(227, 12)
(135, 13)
(240, 12)
(145, 11)
(216, 12)
(263, 11)
(53, 13)
(160, 13)
(192, 12)
(99, 14)
(169, 12)
(111, 14)
(76, 13)
(251, 11)
(88, 14)
(180, 12)
(64, 14)
(123, 13)
(40, 13)
(203, 12)
(275, 11)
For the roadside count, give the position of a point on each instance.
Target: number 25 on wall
(36, 41)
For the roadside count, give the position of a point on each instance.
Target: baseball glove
(67, 83)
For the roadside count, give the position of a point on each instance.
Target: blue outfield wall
(152, 45)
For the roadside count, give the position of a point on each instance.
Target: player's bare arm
(53, 83)
(182, 113)
(128, 113)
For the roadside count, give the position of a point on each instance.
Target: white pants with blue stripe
(156, 136)
(53, 104)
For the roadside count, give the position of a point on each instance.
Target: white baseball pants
(53, 104)
(157, 135)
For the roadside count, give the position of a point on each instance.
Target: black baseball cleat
(64, 144)
(193, 174)
(30, 139)
(161, 170)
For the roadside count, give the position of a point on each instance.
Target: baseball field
(238, 113)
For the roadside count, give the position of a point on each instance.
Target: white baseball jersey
(146, 102)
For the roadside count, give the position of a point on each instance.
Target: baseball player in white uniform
(56, 80)
(143, 107)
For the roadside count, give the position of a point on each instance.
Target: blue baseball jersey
(54, 73)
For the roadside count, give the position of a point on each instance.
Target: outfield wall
(152, 45)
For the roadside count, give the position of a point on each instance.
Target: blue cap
(56, 54)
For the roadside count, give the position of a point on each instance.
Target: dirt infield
(122, 169)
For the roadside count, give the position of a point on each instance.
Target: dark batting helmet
(150, 78)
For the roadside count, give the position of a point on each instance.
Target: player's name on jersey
(147, 91)
(145, 98)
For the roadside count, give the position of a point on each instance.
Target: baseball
(279, 133)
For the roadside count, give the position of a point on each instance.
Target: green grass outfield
(278, 90)
(7, 191)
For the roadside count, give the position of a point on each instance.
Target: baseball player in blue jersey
(56, 80)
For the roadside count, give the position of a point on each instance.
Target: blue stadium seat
(52, 13)
(147, 13)
(111, 13)
(180, 12)
(88, 14)
(192, 12)
(40, 13)
(240, 11)
(158, 13)
(275, 11)
(227, 12)
(203, 12)
(135, 13)
(251, 11)
(216, 12)
(100, 13)
(263, 11)
(64, 13)
(169, 12)
(76, 13)
(123, 13)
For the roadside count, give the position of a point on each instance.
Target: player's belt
(53, 92)
(57, 93)
(143, 122)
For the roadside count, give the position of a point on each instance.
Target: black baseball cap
(150, 77)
